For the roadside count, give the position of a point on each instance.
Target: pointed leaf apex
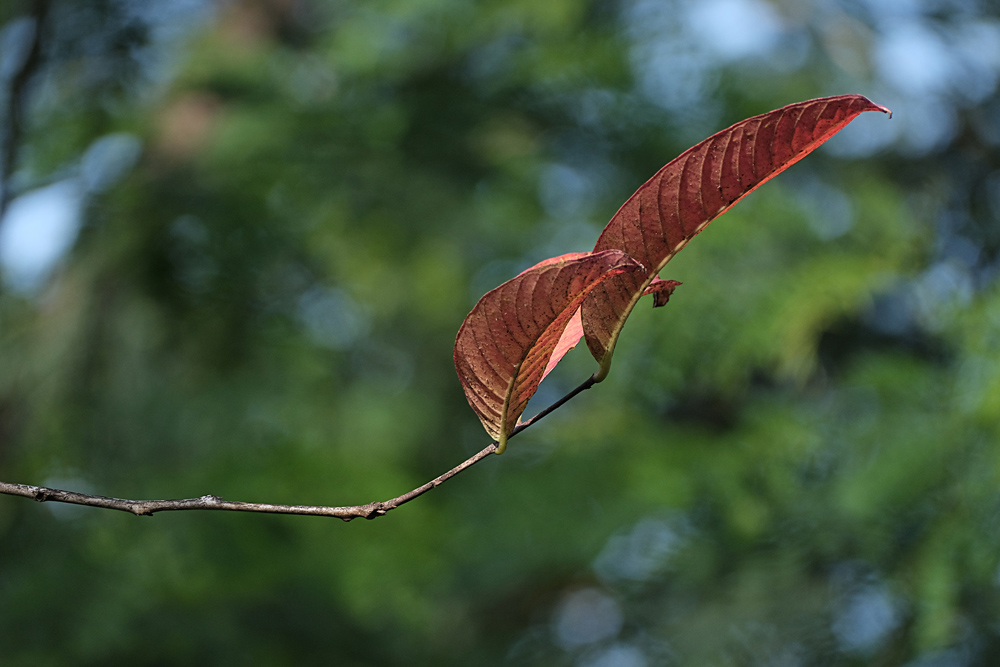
(704, 182)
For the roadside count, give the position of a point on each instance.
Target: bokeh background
(238, 239)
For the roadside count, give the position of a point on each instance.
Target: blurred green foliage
(794, 463)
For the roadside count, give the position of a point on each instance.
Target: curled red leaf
(661, 291)
(701, 184)
(506, 343)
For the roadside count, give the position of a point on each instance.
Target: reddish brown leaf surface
(573, 332)
(506, 343)
(694, 189)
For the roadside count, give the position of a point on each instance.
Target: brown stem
(585, 385)
(370, 511)
(148, 507)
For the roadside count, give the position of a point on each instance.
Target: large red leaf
(694, 189)
(505, 344)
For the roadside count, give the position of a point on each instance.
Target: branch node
(376, 509)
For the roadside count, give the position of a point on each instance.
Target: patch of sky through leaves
(677, 46)
(638, 554)
(866, 611)
(586, 616)
(332, 318)
(41, 225)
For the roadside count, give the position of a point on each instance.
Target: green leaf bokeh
(797, 461)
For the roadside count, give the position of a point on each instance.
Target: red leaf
(506, 343)
(694, 189)
(571, 335)
(573, 332)
(661, 291)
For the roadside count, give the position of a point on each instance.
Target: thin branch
(585, 385)
(148, 507)
(16, 103)
(209, 502)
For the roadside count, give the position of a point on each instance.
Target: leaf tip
(877, 107)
